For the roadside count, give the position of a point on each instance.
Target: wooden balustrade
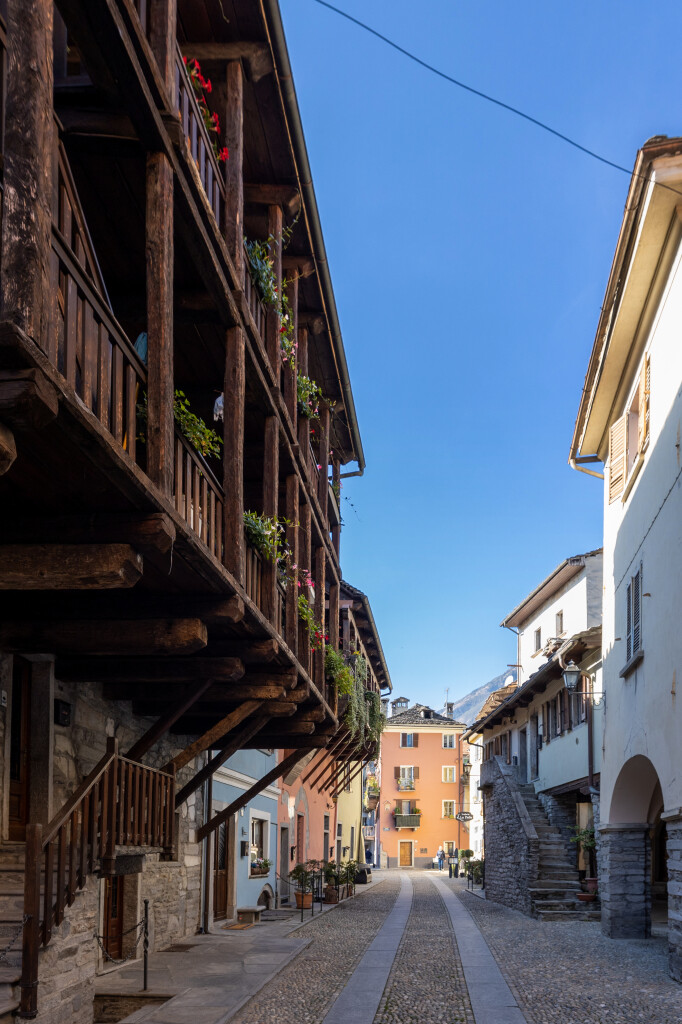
(142, 7)
(89, 348)
(253, 299)
(198, 141)
(121, 803)
(198, 496)
(281, 608)
(254, 575)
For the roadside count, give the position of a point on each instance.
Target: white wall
(643, 710)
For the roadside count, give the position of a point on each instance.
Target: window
(257, 837)
(448, 808)
(448, 740)
(633, 599)
(409, 739)
(538, 640)
(559, 623)
(449, 848)
(448, 773)
(629, 437)
(405, 774)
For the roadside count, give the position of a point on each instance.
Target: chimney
(385, 707)
(450, 710)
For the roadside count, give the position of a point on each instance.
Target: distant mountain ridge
(466, 708)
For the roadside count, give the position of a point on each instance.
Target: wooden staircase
(554, 894)
(12, 870)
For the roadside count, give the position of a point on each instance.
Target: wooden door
(405, 855)
(523, 755)
(284, 863)
(220, 873)
(113, 916)
(534, 732)
(20, 736)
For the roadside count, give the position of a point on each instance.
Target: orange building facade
(424, 785)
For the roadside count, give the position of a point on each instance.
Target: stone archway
(266, 898)
(625, 849)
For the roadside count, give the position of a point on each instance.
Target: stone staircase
(11, 917)
(554, 894)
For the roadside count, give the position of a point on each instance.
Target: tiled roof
(413, 716)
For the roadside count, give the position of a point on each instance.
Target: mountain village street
(417, 946)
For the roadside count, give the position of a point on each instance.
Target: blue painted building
(250, 837)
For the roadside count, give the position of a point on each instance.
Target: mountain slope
(466, 708)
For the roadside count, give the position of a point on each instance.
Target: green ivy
(266, 535)
(338, 671)
(316, 632)
(309, 395)
(200, 436)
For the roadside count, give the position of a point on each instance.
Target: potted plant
(303, 876)
(588, 842)
(260, 865)
(331, 879)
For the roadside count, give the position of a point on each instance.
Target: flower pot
(586, 897)
(330, 894)
(304, 900)
(591, 884)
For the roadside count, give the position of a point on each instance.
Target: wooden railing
(142, 7)
(281, 608)
(121, 803)
(88, 347)
(198, 495)
(198, 141)
(253, 299)
(254, 576)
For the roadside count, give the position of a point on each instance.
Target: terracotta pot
(331, 895)
(591, 884)
(586, 897)
(304, 899)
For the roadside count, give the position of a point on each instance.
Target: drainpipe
(575, 462)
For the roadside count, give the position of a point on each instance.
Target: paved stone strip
(570, 973)
(304, 991)
(360, 998)
(492, 1001)
(426, 984)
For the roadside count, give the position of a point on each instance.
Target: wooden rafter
(68, 566)
(212, 735)
(161, 727)
(237, 742)
(151, 636)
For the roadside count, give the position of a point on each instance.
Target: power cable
(489, 99)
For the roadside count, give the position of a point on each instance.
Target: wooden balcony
(198, 496)
(198, 141)
(407, 820)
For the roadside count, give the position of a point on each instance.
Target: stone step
(556, 904)
(569, 915)
(8, 1008)
(556, 883)
(558, 876)
(12, 855)
(559, 893)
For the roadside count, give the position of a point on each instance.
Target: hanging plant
(267, 535)
(202, 86)
(337, 671)
(309, 395)
(315, 630)
(198, 433)
(262, 271)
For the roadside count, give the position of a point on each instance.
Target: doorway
(534, 739)
(113, 916)
(405, 854)
(220, 873)
(523, 756)
(20, 736)
(284, 864)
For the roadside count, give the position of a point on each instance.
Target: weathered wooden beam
(281, 708)
(301, 266)
(146, 533)
(287, 741)
(256, 55)
(272, 320)
(275, 773)
(237, 741)
(104, 638)
(289, 372)
(27, 399)
(233, 459)
(291, 596)
(68, 566)
(234, 166)
(212, 735)
(160, 380)
(162, 34)
(190, 696)
(270, 508)
(27, 172)
(8, 449)
(253, 652)
(148, 670)
(286, 196)
(218, 699)
(295, 728)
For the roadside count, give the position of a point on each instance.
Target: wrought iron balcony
(368, 831)
(407, 820)
(405, 785)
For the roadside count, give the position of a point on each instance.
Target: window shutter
(396, 772)
(546, 729)
(617, 459)
(628, 624)
(403, 739)
(643, 418)
(415, 739)
(637, 611)
(415, 773)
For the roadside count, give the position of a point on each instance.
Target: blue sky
(469, 253)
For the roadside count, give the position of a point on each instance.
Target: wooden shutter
(396, 772)
(637, 611)
(617, 459)
(545, 722)
(415, 739)
(643, 415)
(403, 739)
(628, 622)
(415, 773)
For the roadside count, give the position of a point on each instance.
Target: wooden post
(270, 508)
(320, 601)
(336, 480)
(323, 490)
(290, 368)
(234, 166)
(334, 591)
(292, 513)
(304, 555)
(160, 383)
(162, 35)
(29, 149)
(303, 431)
(233, 459)
(272, 342)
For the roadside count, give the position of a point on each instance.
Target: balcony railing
(198, 141)
(254, 576)
(405, 785)
(198, 496)
(368, 831)
(253, 299)
(407, 820)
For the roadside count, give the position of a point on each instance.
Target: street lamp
(571, 676)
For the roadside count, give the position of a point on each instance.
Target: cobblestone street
(558, 973)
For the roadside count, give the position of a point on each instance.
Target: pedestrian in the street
(441, 857)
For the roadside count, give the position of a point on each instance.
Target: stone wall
(510, 840)
(68, 966)
(673, 822)
(624, 881)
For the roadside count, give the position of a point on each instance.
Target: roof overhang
(563, 573)
(649, 237)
